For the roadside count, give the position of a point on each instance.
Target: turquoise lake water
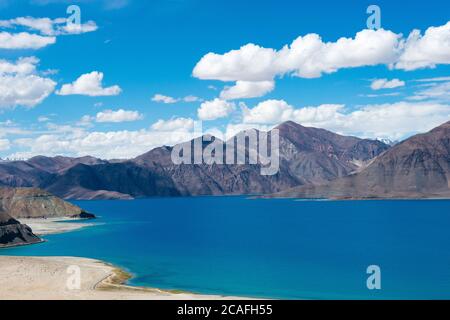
(268, 248)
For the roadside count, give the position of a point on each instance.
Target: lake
(268, 248)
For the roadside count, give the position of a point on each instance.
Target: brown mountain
(418, 167)
(35, 203)
(308, 155)
(13, 233)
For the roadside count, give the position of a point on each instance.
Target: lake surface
(268, 248)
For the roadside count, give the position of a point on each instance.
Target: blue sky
(144, 76)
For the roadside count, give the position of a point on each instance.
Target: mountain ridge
(418, 167)
(307, 155)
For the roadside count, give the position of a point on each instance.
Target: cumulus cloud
(49, 27)
(21, 86)
(247, 89)
(160, 98)
(43, 31)
(379, 84)
(310, 57)
(77, 142)
(427, 50)
(120, 115)
(306, 57)
(215, 109)
(164, 99)
(24, 40)
(89, 84)
(192, 98)
(21, 66)
(276, 111)
(393, 121)
(176, 124)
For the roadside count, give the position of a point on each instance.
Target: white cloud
(20, 86)
(24, 40)
(276, 111)
(379, 84)
(49, 27)
(247, 89)
(89, 84)
(191, 98)
(77, 142)
(436, 91)
(176, 124)
(118, 116)
(215, 109)
(306, 57)
(21, 66)
(164, 99)
(43, 119)
(310, 57)
(437, 79)
(394, 121)
(4, 144)
(391, 94)
(427, 50)
(170, 100)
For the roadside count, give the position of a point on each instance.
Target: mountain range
(307, 156)
(418, 167)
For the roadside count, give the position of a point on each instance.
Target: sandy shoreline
(54, 278)
(42, 227)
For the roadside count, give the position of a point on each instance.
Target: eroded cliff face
(13, 233)
(22, 203)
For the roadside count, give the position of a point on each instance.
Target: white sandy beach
(49, 278)
(46, 278)
(43, 227)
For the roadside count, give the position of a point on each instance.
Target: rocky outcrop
(36, 203)
(13, 233)
(418, 167)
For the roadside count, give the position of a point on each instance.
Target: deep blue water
(269, 248)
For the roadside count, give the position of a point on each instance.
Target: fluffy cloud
(192, 98)
(118, 116)
(427, 50)
(307, 57)
(310, 57)
(394, 121)
(215, 109)
(176, 124)
(276, 111)
(170, 100)
(46, 28)
(89, 84)
(379, 84)
(247, 89)
(21, 66)
(24, 40)
(20, 85)
(76, 142)
(164, 99)
(4, 144)
(49, 27)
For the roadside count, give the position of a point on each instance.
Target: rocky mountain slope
(13, 233)
(308, 155)
(35, 203)
(418, 167)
